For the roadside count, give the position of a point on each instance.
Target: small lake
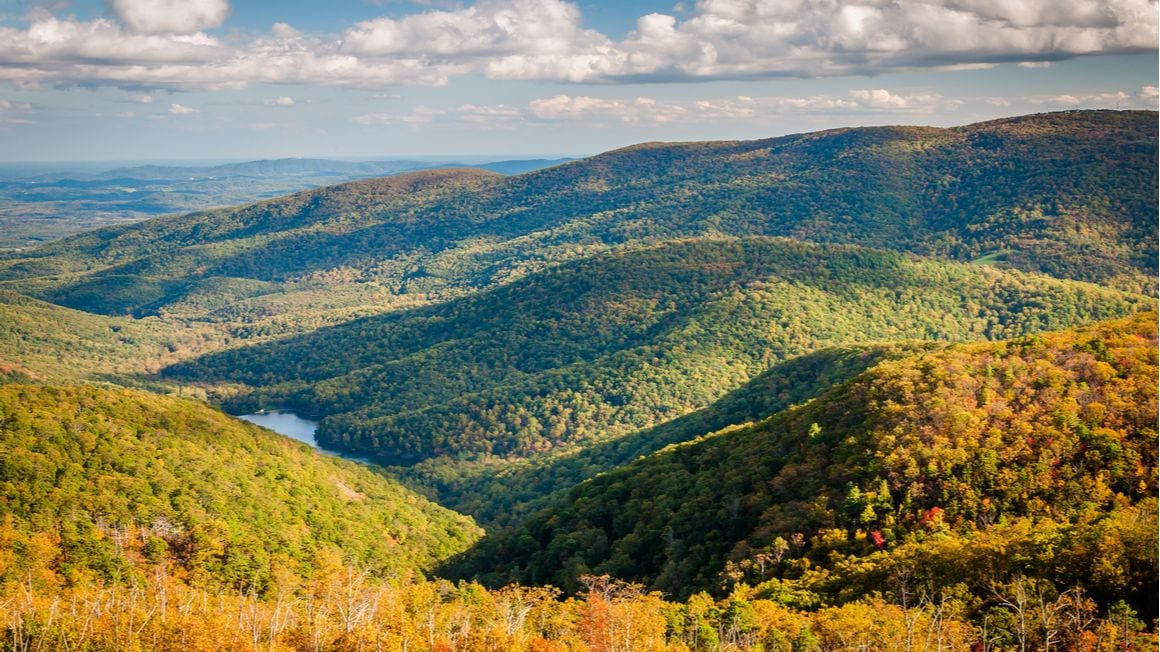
(286, 423)
(295, 427)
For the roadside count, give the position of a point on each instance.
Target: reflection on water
(286, 423)
(295, 427)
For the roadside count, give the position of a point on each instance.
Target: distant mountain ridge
(1069, 194)
(313, 167)
(44, 206)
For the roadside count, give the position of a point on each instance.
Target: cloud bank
(168, 44)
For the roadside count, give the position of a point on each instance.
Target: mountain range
(745, 395)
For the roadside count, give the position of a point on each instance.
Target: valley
(888, 384)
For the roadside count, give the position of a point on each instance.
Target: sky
(124, 80)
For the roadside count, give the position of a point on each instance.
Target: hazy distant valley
(40, 203)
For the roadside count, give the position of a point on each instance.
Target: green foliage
(93, 473)
(1071, 194)
(1033, 457)
(501, 492)
(40, 341)
(600, 348)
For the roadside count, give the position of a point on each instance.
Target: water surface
(286, 423)
(295, 427)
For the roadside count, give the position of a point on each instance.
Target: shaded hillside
(92, 480)
(1034, 458)
(1071, 194)
(605, 346)
(500, 492)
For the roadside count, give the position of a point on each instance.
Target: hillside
(39, 204)
(94, 481)
(976, 464)
(55, 344)
(503, 491)
(602, 347)
(1070, 194)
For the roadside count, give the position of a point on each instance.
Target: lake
(286, 423)
(297, 428)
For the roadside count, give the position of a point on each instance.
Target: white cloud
(170, 16)
(1083, 100)
(514, 39)
(729, 38)
(142, 99)
(417, 117)
(1145, 98)
(281, 100)
(499, 116)
(648, 110)
(181, 109)
(12, 113)
(1034, 64)
(160, 43)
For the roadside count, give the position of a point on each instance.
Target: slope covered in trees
(55, 344)
(1071, 194)
(1032, 460)
(94, 480)
(502, 491)
(612, 344)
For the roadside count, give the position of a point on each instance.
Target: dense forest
(85, 470)
(599, 348)
(1070, 194)
(1034, 457)
(502, 491)
(127, 525)
(888, 388)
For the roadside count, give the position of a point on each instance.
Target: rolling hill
(1070, 194)
(973, 464)
(805, 386)
(93, 480)
(599, 348)
(501, 492)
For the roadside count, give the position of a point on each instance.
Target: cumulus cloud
(742, 107)
(170, 16)
(732, 38)
(281, 100)
(162, 43)
(181, 109)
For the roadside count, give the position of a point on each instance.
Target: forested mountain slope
(502, 491)
(1034, 457)
(1071, 194)
(93, 480)
(55, 344)
(602, 347)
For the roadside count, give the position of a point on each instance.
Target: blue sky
(215, 79)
